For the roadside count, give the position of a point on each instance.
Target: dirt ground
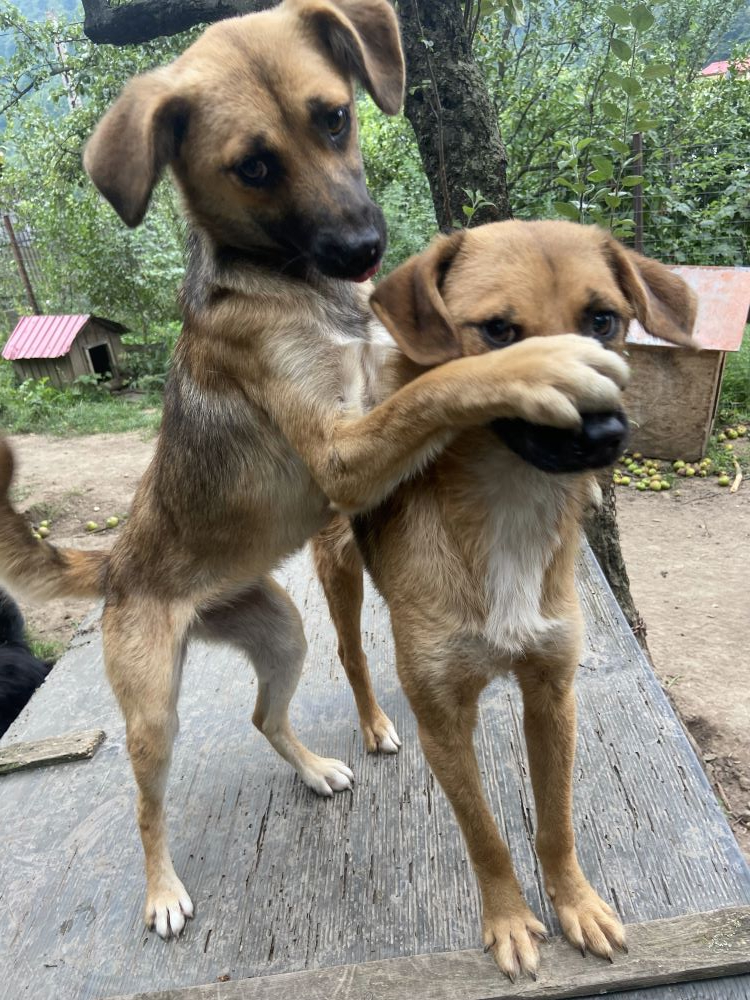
(687, 553)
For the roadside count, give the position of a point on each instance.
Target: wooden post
(21, 266)
(638, 192)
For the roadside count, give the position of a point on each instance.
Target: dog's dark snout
(605, 430)
(349, 255)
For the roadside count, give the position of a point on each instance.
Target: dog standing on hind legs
(475, 555)
(270, 422)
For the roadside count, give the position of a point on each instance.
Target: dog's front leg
(339, 568)
(550, 728)
(144, 646)
(444, 701)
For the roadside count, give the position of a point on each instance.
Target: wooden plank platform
(681, 949)
(284, 881)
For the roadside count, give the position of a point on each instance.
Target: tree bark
(603, 536)
(451, 112)
(144, 20)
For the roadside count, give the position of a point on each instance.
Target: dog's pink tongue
(368, 273)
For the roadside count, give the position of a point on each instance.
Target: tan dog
(266, 421)
(475, 555)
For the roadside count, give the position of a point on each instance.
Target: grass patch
(45, 649)
(34, 406)
(734, 404)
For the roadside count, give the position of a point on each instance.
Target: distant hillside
(738, 33)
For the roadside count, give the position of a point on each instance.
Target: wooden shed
(674, 392)
(61, 348)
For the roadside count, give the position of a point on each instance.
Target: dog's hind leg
(339, 568)
(550, 727)
(144, 646)
(263, 622)
(443, 693)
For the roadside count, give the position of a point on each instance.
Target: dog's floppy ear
(362, 39)
(410, 306)
(664, 304)
(137, 138)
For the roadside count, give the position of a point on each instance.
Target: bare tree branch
(144, 20)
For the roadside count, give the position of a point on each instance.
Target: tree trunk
(603, 536)
(450, 110)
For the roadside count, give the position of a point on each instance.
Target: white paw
(326, 776)
(380, 735)
(168, 908)
(388, 740)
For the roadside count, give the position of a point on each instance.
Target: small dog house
(674, 392)
(61, 348)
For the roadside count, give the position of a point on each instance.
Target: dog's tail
(35, 568)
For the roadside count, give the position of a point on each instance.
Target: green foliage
(84, 258)
(574, 83)
(146, 362)
(735, 386)
(37, 406)
(396, 181)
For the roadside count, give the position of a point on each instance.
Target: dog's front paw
(325, 775)
(586, 920)
(168, 907)
(513, 935)
(379, 734)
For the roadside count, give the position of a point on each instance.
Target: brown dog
(267, 416)
(475, 555)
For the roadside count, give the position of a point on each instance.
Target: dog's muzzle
(600, 440)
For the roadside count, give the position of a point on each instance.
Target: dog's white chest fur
(524, 507)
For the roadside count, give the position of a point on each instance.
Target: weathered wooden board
(699, 946)
(283, 881)
(53, 750)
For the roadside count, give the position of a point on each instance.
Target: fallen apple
(92, 526)
(723, 480)
(112, 522)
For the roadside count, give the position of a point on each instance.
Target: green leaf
(612, 200)
(621, 49)
(567, 209)
(604, 166)
(618, 14)
(641, 17)
(631, 86)
(620, 147)
(645, 124)
(657, 71)
(632, 180)
(577, 188)
(612, 110)
(614, 79)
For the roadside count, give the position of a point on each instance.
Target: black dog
(21, 672)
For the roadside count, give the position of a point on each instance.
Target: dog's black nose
(349, 255)
(601, 438)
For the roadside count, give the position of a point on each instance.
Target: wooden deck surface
(284, 881)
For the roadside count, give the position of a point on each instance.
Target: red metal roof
(722, 67)
(43, 336)
(723, 304)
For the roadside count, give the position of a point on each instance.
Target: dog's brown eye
(499, 333)
(252, 171)
(604, 325)
(336, 121)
